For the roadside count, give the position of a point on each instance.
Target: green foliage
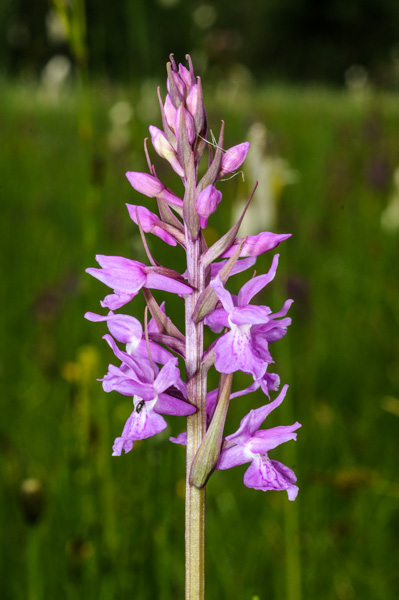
(294, 40)
(113, 527)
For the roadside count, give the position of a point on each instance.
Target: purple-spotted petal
(143, 423)
(234, 353)
(265, 474)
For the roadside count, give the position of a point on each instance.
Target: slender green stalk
(196, 426)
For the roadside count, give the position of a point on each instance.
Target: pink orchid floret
(126, 277)
(233, 158)
(149, 403)
(165, 150)
(251, 444)
(207, 203)
(152, 187)
(252, 328)
(154, 392)
(150, 223)
(128, 330)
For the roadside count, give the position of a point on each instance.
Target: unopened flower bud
(151, 186)
(175, 87)
(186, 76)
(163, 148)
(206, 203)
(170, 112)
(254, 245)
(145, 184)
(233, 158)
(188, 124)
(195, 106)
(150, 223)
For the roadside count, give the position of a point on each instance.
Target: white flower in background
(273, 173)
(56, 28)
(120, 115)
(390, 215)
(55, 76)
(356, 80)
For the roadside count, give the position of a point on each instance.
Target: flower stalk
(149, 366)
(196, 427)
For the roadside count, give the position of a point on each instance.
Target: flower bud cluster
(148, 369)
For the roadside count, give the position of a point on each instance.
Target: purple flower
(154, 394)
(145, 420)
(126, 277)
(252, 328)
(251, 444)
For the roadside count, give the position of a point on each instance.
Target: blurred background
(314, 88)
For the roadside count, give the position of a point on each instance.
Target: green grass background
(113, 528)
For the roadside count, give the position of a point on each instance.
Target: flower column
(196, 425)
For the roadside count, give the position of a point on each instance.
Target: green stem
(196, 426)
